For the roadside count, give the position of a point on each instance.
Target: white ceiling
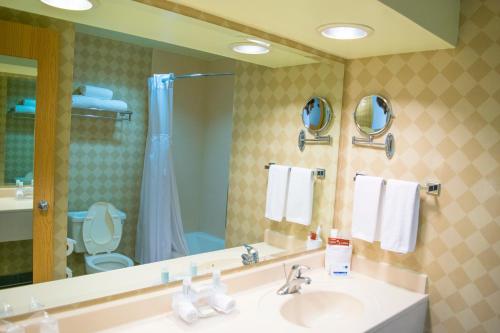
(139, 23)
(400, 26)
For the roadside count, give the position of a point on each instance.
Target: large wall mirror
(154, 164)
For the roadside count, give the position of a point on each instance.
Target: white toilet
(98, 232)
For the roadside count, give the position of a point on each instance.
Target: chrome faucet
(251, 257)
(294, 280)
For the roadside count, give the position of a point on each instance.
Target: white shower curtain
(160, 234)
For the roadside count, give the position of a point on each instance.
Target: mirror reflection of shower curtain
(160, 234)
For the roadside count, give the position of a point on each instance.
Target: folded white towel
(24, 109)
(84, 102)
(277, 185)
(96, 92)
(300, 196)
(28, 101)
(399, 227)
(367, 206)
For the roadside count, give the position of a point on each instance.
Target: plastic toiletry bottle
(338, 255)
(49, 324)
(219, 300)
(19, 190)
(193, 268)
(314, 240)
(182, 303)
(165, 275)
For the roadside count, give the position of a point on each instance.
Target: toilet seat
(102, 228)
(106, 262)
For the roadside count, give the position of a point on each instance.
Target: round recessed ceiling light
(345, 31)
(69, 4)
(250, 48)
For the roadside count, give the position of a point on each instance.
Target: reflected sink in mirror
(319, 309)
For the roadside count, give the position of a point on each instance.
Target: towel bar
(318, 173)
(120, 115)
(429, 187)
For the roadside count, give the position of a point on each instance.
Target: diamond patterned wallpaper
(106, 157)
(266, 123)
(66, 53)
(19, 132)
(447, 128)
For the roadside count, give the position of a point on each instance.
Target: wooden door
(40, 44)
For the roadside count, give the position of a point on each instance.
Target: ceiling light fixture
(345, 31)
(69, 4)
(250, 48)
(258, 41)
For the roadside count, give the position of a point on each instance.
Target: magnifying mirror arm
(318, 139)
(388, 145)
(367, 141)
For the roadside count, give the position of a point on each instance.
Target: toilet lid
(102, 228)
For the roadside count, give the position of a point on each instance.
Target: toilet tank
(75, 226)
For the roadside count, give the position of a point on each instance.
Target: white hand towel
(222, 303)
(366, 208)
(300, 196)
(96, 92)
(277, 183)
(84, 102)
(399, 226)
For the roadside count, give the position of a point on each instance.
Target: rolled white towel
(28, 101)
(84, 102)
(222, 303)
(24, 109)
(97, 92)
(186, 311)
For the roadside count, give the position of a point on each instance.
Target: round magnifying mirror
(316, 115)
(373, 115)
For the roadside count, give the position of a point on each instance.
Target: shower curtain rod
(186, 76)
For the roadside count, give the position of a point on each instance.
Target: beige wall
(106, 157)
(217, 148)
(447, 128)
(187, 136)
(201, 138)
(266, 123)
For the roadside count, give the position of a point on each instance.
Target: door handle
(43, 205)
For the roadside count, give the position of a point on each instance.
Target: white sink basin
(320, 304)
(319, 308)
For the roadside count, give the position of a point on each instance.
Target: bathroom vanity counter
(358, 303)
(374, 306)
(9, 203)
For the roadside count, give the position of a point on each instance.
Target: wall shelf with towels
(318, 172)
(119, 115)
(21, 115)
(429, 187)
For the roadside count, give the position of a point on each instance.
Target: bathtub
(200, 242)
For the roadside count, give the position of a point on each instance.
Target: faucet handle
(249, 248)
(299, 268)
